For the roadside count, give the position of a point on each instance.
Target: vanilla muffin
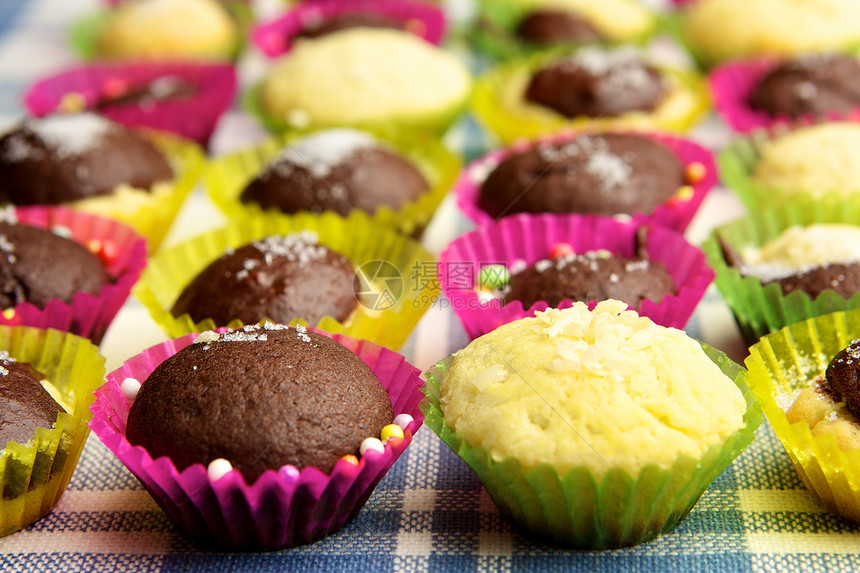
(603, 389)
(364, 76)
(168, 29)
(721, 30)
(815, 159)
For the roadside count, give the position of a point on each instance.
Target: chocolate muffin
(261, 398)
(37, 265)
(593, 275)
(596, 82)
(63, 158)
(346, 21)
(603, 174)
(548, 27)
(336, 170)
(24, 403)
(815, 84)
(279, 278)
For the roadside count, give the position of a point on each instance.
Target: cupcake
(363, 77)
(566, 420)
(526, 263)
(398, 180)
(92, 164)
(181, 97)
(788, 263)
(314, 19)
(767, 27)
(159, 29)
(66, 270)
(808, 360)
(276, 479)
(767, 168)
(649, 177)
(47, 378)
(508, 28)
(381, 263)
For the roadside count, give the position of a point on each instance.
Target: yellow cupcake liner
(34, 475)
(226, 177)
(780, 365)
(436, 123)
(499, 105)
(387, 322)
(151, 214)
(762, 309)
(580, 511)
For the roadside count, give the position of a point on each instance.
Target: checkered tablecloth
(430, 512)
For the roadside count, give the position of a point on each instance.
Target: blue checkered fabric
(429, 513)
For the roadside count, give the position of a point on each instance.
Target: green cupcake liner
(34, 475)
(388, 323)
(785, 362)
(225, 177)
(762, 309)
(579, 511)
(498, 103)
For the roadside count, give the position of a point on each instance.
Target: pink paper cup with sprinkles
(285, 506)
(676, 213)
(34, 475)
(185, 98)
(276, 37)
(521, 241)
(122, 252)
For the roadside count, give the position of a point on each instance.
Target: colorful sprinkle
(72, 102)
(290, 472)
(351, 459)
(403, 420)
(371, 444)
(494, 276)
(62, 231)
(114, 87)
(683, 195)
(559, 250)
(130, 388)
(391, 431)
(696, 172)
(9, 313)
(218, 468)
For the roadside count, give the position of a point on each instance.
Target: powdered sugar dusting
(5, 359)
(301, 247)
(611, 170)
(71, 135)
(621, 69)
(321, 152)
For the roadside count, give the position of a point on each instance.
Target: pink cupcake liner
(529, 238)
(274, 37)
(283, 507)
(123, 252)
(194, 118)
(674, 214)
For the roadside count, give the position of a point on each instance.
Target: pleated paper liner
(759, 309)
(275, 37)
(675, 214)
(389, 324)
(578, 510)
(281, 508)
(494, 31)
(499, 105)
(780, 365)
(86, 87)
(530, 238)
(123, 254)
(33, 476)
(226, 177)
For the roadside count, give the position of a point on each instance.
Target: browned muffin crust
(24, 403)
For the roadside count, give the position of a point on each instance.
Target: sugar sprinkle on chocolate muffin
(261, 398)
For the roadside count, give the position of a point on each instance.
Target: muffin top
(67, 157)
(363, 75)
(617, 20)
(336, 170)
(602, 174)
(815, 159)
(37, 265)
(548, 27)
(603, 389)
(279, 277)
(261, 398)
(25, 404)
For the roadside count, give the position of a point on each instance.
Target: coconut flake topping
(322, 152)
